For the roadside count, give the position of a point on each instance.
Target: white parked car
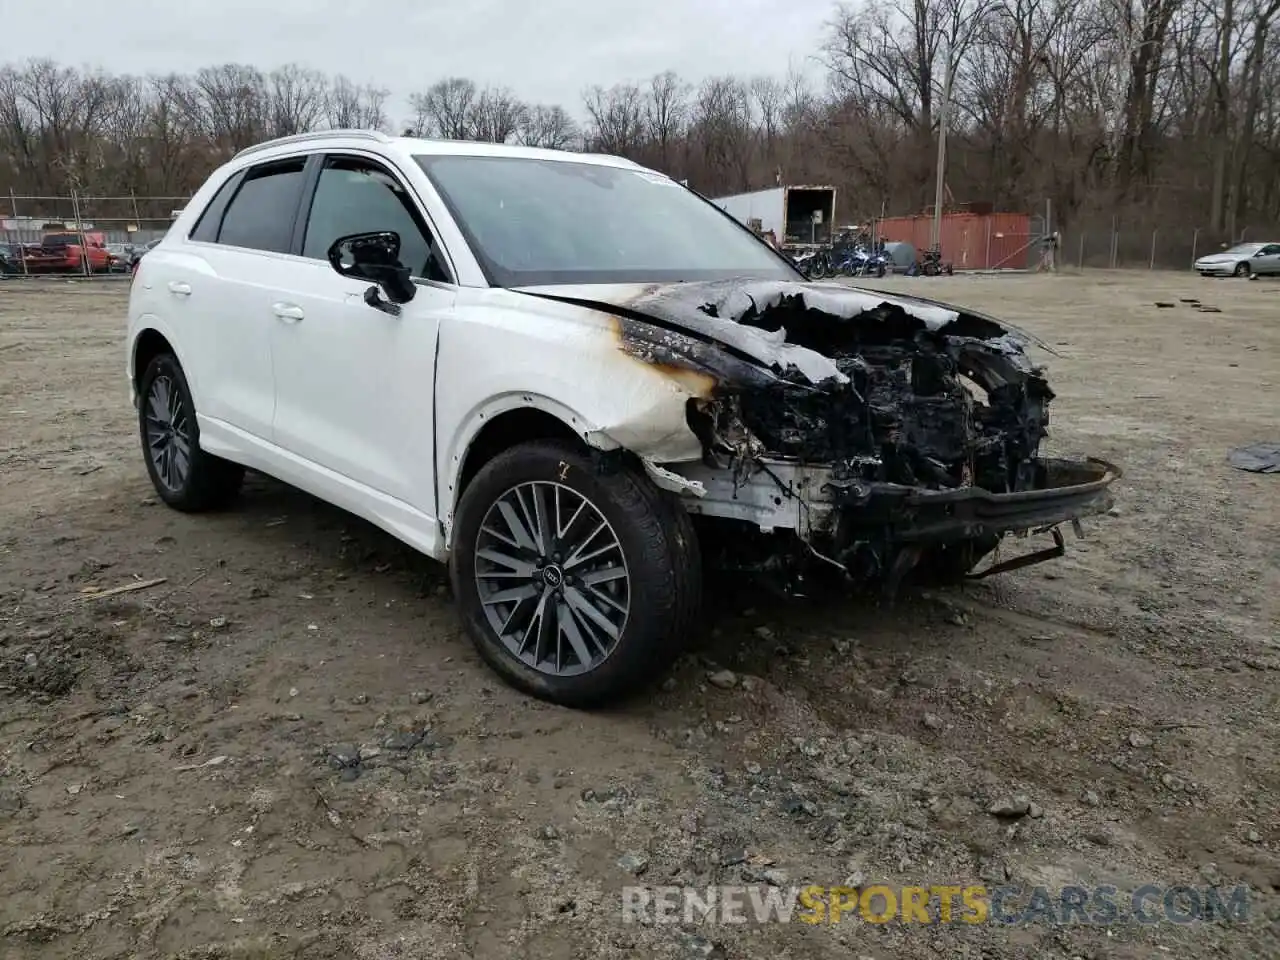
(540, 366)
(1242, 260)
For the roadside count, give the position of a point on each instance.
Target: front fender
(473, 421)
(569, 362)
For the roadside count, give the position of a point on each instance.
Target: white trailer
(799, 217)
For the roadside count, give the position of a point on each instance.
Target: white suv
(538, 365)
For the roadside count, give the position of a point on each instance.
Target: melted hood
(752, 316)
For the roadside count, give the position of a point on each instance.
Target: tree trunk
(1222, 84)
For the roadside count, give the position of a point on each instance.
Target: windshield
(1244, 248)
(532, 222)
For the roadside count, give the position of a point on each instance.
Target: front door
(1267, 261)
(355, 385)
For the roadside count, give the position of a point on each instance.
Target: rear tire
(185, 477)
(644, 589)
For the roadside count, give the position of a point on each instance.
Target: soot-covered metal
(879, 430)
(936, 407)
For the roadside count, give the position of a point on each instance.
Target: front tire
(186, 477)
(576, 584)
(1242, 270)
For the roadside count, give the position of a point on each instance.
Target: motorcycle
(815, 264)
(930, 265)
(868, 264)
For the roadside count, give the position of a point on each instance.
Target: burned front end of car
(879, 435)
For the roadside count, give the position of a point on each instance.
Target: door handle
(288, 312)
(180, 288)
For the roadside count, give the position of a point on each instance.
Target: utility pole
(939, 183)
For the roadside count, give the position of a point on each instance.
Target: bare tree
(230, 101)
(296, 100)
(496, 116)
(722, 128)
(1165, 110)
(548, 127)
(767, 97)
(666, 113)
(616, 118)
(349, 106)
(446, 109)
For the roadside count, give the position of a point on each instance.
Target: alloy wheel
(168, 433)
(552, 578)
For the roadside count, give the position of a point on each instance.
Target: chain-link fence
(1142, 246)
(78, 234)
(97, 236)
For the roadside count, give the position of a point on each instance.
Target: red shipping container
(970, 241)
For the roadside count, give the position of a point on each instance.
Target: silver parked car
(1242, 260)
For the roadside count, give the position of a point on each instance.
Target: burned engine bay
(880, 430)
(954, 406)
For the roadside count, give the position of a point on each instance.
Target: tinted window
(206, 228)
(563, 221)
(261, 214)
(356, 196)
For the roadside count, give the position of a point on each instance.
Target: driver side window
(355, 195)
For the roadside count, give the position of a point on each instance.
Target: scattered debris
(724, 679)
(696, 947)
(634, 863)
(1165, 303)
(1256, 458)
(1011, 807)
(123, 588)
(211, 762)
(1139, 740)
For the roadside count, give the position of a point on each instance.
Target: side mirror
(375, 257)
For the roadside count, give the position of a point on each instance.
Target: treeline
(1150, 111)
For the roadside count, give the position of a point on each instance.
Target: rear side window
(260, 215)
(210, 221)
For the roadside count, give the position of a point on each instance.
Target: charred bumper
(1064, 490)
(855, 523)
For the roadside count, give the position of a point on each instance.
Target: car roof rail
(315, 135)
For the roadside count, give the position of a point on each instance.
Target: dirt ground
(289, 749)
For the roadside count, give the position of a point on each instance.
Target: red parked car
(68, 252)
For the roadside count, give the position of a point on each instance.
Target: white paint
(295, 376)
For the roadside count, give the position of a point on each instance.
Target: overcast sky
(547, 51)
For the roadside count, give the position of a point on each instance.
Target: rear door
(223, 280)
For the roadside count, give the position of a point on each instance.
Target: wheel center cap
(552, 576)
